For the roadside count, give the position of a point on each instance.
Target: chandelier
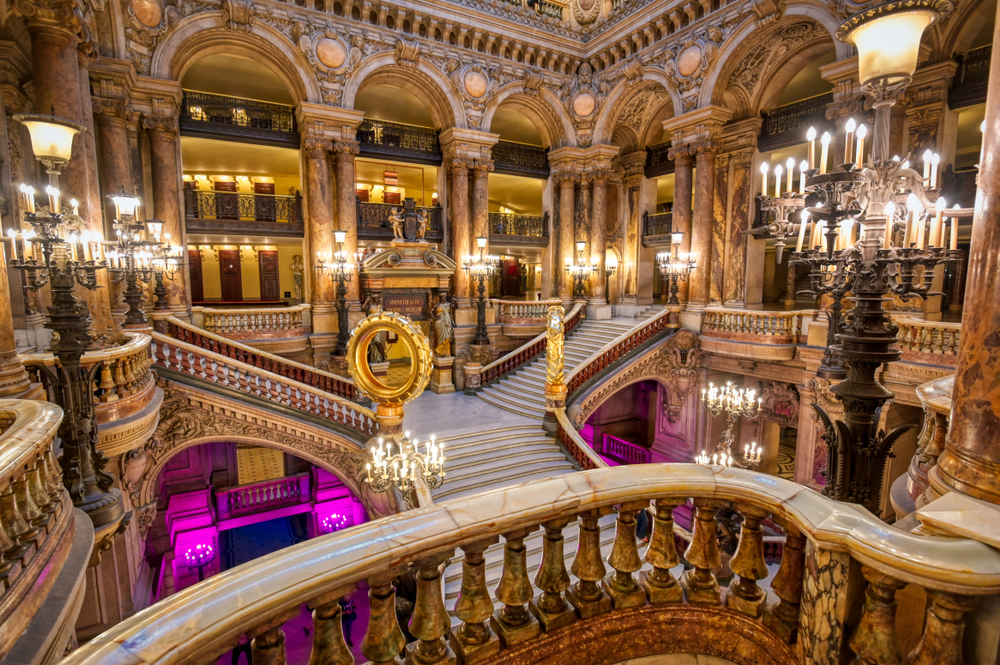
(674, 264)
(407, 466)
(735, 403)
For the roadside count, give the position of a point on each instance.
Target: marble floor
(455, 413)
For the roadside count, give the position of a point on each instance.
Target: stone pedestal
(692, 320)
(441, 381)
(598, 309)
(471, 371)
(627, 307)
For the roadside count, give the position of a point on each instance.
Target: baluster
(36, 488)
(624, 559)
(783, 617)
(107, 384)
(659, 585)
(703, 553)
(512, 622)
(874, 641)
(430, 622)
(29, 510)
(18, 530)
(384, 640)
(941, 643)
(549, 606)
(268, 644)
(748, 562)
(586, 595)
(10, 563)
(119, 375)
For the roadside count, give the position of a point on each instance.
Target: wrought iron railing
(234, 206)
(395, 138)
(797, 115)
(968, 87)
(373, 221)
(249, 118)
(521, 158)
(658, 160)
(662, 223)
(508, 224)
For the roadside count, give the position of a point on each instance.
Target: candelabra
(131, 260)
(50, 253)
(167, 261)
(674, 264)
(735, 403)
(580, 271)
(610, 268)
(407, 467)
(873, 266)
(198, 557)
(481, 269)
(341, 271)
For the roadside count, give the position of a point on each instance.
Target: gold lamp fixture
(51, 140)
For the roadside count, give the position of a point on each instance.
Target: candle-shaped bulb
(811, 134)
(851, 125)
(940, 204)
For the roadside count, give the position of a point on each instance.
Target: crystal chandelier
(407, 466)
(735, 403)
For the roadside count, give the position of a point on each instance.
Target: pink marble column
(461, 227)
(163, 151)
(347, 209)
(480, 198)
(681, 218)
(567, 236)
(971, 460)
(720, 201)
(13, 379)
(734, 286)
(112, 150)
(319, 230)
(701, 230)
(599, 232)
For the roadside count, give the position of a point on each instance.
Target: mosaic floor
(256, 463)
(786, 461)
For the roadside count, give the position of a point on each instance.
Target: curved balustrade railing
(935, 397)
(246, 323)
(624, 451)
(525, 353)
(760, 326)
(575, 446)
(262, 495)
(316, 378)
(934, 342)
(123, 386)
(252, 376)
(614, 350)
(523, 311)
(814, 599)
(35, 513)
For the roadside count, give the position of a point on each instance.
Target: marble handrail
(234, 374)
(574, 444)
(337, 385)
(766, 327)
(611, 352)
(822, 537)
(125, 383)
(527, 351)
(924, 341)
(255, 320)
(935, 397)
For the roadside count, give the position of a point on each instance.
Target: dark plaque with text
(411, 305)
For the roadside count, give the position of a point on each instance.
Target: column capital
(162, 125)
(110, 110)
(566, 174)
(62, 15)
(483, 165)
(316, 144)
(344, 149)
(454, 164)
(328, 122)
(16, 66)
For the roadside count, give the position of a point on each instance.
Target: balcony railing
(524, 311)
(373, 221)
(970, 82)
(521, 159)
(813, 610)
(256, 323)
(928, 342)
(660, 224)
(549, 9)
(762, 327)
(262, 496)
(519, 229)
(787, 125)
(210, 212)
(378, 137)
(622, 451)
(935, 396)
(658, 161)
(247, 120)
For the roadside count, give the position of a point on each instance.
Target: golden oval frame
(416, 343)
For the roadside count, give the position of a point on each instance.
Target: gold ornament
(554, 351)
(416, 344)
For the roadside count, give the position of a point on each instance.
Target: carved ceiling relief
(779, 402)
(476, 86)
(686, 63)
(583, 97)
(586, 11)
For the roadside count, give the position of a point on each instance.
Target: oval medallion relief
(149, 12)
(583, 104)
(475, 84)
(331, 52)
(689, 60)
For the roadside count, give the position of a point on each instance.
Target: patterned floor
(247, 543)
(256, 463)
(398, 371)
(786, 461)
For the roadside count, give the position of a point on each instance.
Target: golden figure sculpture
(444, 325)
(422, 220)
(396, 221)
(554, 351)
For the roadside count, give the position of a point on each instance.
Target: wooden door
(511, 284)
(194, 270)
(231, 275)
(268, 275)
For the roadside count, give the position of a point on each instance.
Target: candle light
(29, 247)
(803, 222)
(763, 179)
(937, 228)
(953, 241)
(927, 164)
(53, 199)
(12, 234)
(859, 157)
(803, 165)
(72, 243)
(825, 140)
(890, 214)
(28, 197)
(849, 143)
(921, 226)
(790, 165)
(85, 239)
(100, 247)
(76, 206)
(777, 181)
(811, 137)
(935, 182)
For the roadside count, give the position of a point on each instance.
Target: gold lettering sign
(411, 305)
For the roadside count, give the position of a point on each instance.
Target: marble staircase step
(502, 478)
(505, 404)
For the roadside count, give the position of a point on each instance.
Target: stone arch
(543, 109)
(624, 95)
(744, 70)
(962, 28)
(428, 84)
(734, 54)
(206, 34)
(654, 127)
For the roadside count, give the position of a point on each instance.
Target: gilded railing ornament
(555, 380)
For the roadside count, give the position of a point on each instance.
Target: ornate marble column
(13, 379)
(599, 244)
(634, 164)
(461, 230)
(163, 153)
(319, 236)
(480, 197)
(971, 460)
(699, 292)
(566, 179)
(739, 141)
(683, 190)
(345, 150)
(719, 223)
(112, 149)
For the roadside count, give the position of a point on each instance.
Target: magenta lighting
(199, 555)
(333, 522)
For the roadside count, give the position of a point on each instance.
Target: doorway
(231, 275)
(268, 261)
(194, 270)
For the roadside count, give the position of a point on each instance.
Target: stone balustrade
(574, 445)
(262, 496)
(257, 375)
(928, 342)
(125, 383)
(37, 525)
(624, 451)
(609, 354)
(935, 397)
(820, 610)
(256, 323)
(524, 311)
(760, 327)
